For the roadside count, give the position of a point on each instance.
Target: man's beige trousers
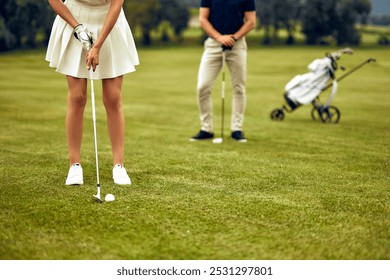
(210, 66)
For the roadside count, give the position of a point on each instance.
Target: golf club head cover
(84, 36)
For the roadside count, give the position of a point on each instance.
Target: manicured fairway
(297, 190)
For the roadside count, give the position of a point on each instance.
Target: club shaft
(94, 131)
(223, 93)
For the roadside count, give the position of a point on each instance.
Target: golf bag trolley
(306, 88)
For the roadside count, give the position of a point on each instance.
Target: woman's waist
(90, 3)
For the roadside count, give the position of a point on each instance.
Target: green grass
(297, 190)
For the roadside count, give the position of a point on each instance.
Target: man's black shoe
(238, 136)
(202, 135)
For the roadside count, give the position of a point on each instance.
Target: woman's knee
(77, 99)
(112, 100)
(112, 94)
(77, 92)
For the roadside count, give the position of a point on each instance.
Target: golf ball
(109, 197)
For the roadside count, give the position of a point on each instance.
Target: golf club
(97, 196)
(220, 139)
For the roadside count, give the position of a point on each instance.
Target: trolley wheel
(328, 115)
(277, 115)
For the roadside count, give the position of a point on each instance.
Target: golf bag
(306, 88)
(303, 89)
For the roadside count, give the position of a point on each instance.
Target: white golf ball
(109, 197)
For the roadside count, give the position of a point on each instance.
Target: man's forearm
(209, 29)
(249, 24)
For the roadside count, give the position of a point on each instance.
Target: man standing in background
(226, 22)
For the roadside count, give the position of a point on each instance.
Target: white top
(93, 2)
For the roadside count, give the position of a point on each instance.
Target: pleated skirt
(118, 54)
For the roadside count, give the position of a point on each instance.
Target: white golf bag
(304, 88)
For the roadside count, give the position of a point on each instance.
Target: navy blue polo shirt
(227, 16)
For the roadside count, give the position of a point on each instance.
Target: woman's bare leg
(77, 98)
(112, 99)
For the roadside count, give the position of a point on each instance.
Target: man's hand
(84, 36)
(226, 40)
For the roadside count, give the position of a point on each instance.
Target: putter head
(217, 141)
(98, 199)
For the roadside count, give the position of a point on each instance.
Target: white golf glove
(84, 36)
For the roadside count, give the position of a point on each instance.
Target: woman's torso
(93, 2)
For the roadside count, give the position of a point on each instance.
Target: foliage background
(27, 23)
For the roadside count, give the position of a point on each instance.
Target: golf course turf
(298, 189)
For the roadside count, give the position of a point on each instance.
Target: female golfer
(92, 34)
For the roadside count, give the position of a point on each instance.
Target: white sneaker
(75, 175)
(120, 176)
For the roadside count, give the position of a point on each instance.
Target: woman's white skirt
(118, 54)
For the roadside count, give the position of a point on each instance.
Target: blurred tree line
(320, 21)
(23, 21)
(150, 15)
(382, 20)
(26, 23)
